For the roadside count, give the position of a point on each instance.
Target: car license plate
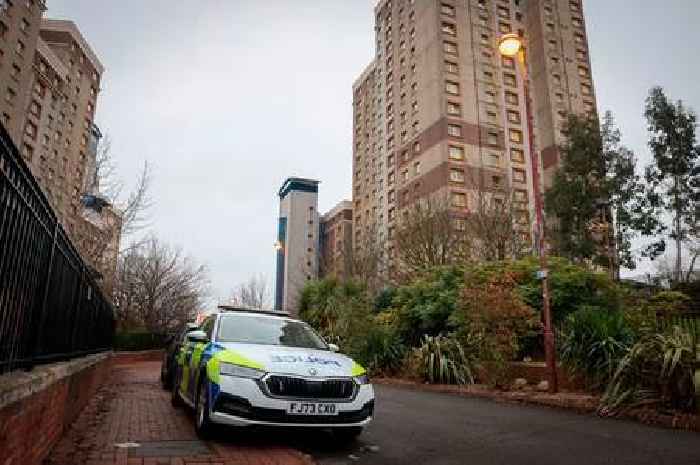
(311, 408)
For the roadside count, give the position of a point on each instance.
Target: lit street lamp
(511, 46)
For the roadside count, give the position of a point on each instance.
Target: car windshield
(252, 329)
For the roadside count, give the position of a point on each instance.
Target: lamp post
(511, 46)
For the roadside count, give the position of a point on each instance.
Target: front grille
(301, 388)
(239, 407)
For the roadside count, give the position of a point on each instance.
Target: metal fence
(50, 306)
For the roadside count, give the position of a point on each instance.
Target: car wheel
(175, 398)
(348, 434)
(202, 424)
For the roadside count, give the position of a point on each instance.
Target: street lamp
(511, 45)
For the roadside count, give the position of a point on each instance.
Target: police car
(248, 368)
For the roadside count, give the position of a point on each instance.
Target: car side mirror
(197, 336)
(333, 347)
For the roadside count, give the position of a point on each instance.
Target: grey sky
(227, 98)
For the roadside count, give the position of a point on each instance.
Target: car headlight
(229, 369)
(362, 379)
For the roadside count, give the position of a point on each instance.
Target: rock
(520, 383)
(543, 386)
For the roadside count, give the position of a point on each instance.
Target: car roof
(230, 309)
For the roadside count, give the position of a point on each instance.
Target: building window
(577, 22)
(416, 147)
(454, 130)
(390, 179)
(30, 129)
(583, 72)
(452, 88)
(581, 55)
(493, 159)
(456, 153)
(586, 89)
(35, 108)
(504, 27)
(513, 116)
(20, 47)
(449, 29)
(491, 116)
(456, 175)
(450, 47)
(454, 109)
(416, 168)
(492, 138)
(10, 95)
(451, 67)
(518, 175)
(446, 9)
(16, 70)
(517, 155)
(459, 200)
(512, 98)
(27, 152)
(515, 136)
(510, 80)
(488, 75)
(508, 62)
(520, 195)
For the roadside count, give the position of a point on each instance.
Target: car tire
(202, 423)
(175, 398)
(348, 434)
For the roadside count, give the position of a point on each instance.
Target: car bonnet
(294, 360)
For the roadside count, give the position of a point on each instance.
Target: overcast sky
(227, 98)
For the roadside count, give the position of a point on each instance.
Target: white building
(297, 241)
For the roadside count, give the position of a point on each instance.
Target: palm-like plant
(443, 360)
(657, 370)
(592, 342)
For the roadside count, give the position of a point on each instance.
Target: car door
(194, 357)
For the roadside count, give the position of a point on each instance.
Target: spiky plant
(443, 360)
(657, 370)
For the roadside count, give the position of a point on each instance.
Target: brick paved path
(132, 408)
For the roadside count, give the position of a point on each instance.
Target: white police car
(246, 368)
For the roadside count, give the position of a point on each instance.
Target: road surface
(413, 427)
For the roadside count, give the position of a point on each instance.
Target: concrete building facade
(440, 112)
(335, 231)
(297, 241)
(50, 77)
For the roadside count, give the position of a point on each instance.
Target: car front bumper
(241, 402)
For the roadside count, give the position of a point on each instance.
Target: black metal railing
(50, 306)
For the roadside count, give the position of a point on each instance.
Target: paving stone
(132, 410)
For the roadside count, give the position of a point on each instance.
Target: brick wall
(36, 407)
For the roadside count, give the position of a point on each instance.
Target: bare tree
(157, 288)
(133, 207)
(428, 234)
(497, 225)
(367, 262)
(254, 293)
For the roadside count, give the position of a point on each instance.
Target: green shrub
(658, 369)
(592, 342)
(380, 350)
(668, 303)
(443, 360)
(139, 340)
(425, 306)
